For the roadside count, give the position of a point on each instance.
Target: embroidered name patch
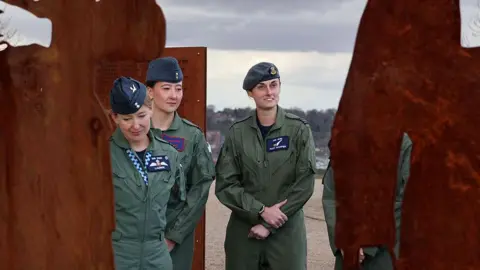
(177, 142)
(279, 143)
(158, 164)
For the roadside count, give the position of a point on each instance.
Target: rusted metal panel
(410, 74)
(193, 61)
(56, 198)
(105, 72)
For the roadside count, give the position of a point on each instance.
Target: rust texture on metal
(56, 198)
(410, 74)
(193, 62)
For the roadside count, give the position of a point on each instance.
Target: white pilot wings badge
(158, 164)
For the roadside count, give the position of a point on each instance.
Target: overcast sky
(311, 43)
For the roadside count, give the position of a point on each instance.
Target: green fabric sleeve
(228, 188)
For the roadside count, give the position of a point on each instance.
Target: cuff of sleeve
(270, 228)
(255, 211)
(174, 236)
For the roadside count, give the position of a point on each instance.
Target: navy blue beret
(164, 69)
(127, 95)
(260, 72)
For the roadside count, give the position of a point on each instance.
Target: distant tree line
(320, 121)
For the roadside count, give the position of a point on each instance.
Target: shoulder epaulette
(240, 121)
(166, 142)
(296, 117)
(157, 134)
(190, 123)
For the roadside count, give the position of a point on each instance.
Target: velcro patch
(177, 142)
(158, 164)
(279, 143)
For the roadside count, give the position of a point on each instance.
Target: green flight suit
(252, 172)
(140, 209)
(376, 258)
(199, 170)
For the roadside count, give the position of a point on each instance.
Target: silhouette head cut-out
(56, 197)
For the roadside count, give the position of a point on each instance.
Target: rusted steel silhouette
(56, 199)
(193, 61)
(410, 73)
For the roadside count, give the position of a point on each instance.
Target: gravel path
(319, 255)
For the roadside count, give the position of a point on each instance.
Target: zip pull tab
(265, 163)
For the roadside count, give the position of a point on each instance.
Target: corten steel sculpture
(410, 73)
(56, 199)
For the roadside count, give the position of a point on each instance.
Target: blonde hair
(148, 102)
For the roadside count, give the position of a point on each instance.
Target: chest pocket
(160, 174)
(160, 190)
(281, 154)
(128, 195)
(251, 164)
(160, 194)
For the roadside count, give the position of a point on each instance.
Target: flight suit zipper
(265, 171)
(145, 207)
(266, 161)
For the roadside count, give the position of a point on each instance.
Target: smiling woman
(134, 125)
(266, 229)
(145, 169)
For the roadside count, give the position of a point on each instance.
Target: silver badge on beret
(273, 70)
(133, 88)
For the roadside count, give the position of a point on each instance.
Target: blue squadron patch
(177, 142)
(158, 164)
(279, 143)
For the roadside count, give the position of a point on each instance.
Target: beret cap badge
(273, 70)
(127, 95)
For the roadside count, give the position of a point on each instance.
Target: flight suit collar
(279, 120)
(122, 142)
(176, 123)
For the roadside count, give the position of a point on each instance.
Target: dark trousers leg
(241, 252)
(381, 261)
(287, 248)
(182, 255)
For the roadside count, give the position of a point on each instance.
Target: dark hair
(150, 84)
(250, 90)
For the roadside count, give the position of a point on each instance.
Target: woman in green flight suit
(372, 258)
(164, 82)
(145, 168)
(265, 175)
